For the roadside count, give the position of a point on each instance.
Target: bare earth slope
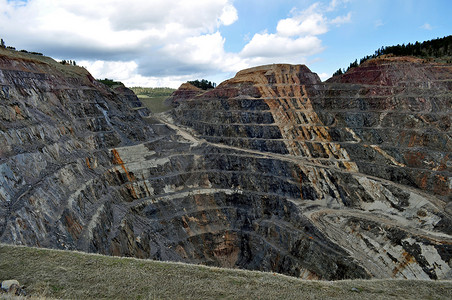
(273, 170)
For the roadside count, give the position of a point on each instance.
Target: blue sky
(167, 42)
(372, 24)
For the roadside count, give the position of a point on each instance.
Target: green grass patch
(155, 104)
(152, 92)
(68, 274)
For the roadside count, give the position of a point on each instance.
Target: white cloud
(120, 70)
(111, 23)
(127, 72)
(339, 20)
(202, 49)
(162, 37)
(205, 52)
(274, 45)
(312, 24)
(158, 42)
(427, 26)
(229, 15)
(296, 37)
(324, 76)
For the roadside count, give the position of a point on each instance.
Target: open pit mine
(272, 170)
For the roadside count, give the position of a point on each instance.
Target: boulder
(8, 284)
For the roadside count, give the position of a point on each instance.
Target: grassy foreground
(67, 274)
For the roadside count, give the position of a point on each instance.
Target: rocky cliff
(273, 170)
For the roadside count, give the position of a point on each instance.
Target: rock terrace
(273, 170)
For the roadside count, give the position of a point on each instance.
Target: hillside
(66, 274)
(273, 170)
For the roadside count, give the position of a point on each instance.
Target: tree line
(203, 84)
(68, 62)
(436, 48)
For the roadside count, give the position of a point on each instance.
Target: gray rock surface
(273, 170)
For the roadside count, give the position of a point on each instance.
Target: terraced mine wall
(273, 170)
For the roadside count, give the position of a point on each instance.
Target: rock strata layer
(273, 170)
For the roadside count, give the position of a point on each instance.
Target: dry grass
(66, 274)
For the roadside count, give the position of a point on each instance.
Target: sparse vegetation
(436, 48)
(3, 45)
(203, 84)
(76, 275)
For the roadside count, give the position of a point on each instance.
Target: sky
(163, 43)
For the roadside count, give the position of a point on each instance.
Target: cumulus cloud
(118, 38)
(127, 72)
(229, 15)
(120, 70)
(274, 45)
(296, 37)
(159, 41)
(313, 24)
(110, 23)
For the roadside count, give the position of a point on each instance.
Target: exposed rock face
(272, 170)
(184, 92)
(369, 164)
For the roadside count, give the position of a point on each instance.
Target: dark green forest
(437, 48)
(203, 84)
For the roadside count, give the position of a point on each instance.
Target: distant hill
(440, 48)
(152, 92)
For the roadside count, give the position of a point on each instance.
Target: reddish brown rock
(185, 91)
